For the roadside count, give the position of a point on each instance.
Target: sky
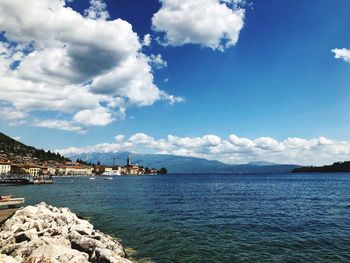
(231, 80)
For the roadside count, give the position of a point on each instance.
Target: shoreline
(47, 234)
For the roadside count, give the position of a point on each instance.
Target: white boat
(92, 178)
(112, 173)
(108, 178)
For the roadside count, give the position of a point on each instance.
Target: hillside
(338, 167)
(9, 146)
(181, 164)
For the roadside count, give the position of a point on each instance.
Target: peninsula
(338, 167)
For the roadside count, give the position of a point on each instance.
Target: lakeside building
(75, 170)
(99, 169)
(33, 170)
(135, 169)
(152, 172)
(51, 170)
(131, 169)
(17, 169)
(23, 165)
(108, 169)
(5, 168)
(112, 171)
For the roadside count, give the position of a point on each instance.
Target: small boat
(92, 178)
(108, 178)
(11, 203)
(112, 173)
(4, 198)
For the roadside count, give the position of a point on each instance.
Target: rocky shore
(47, 234)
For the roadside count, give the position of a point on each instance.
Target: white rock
(7, 259)
(44, 233)
(60, 253)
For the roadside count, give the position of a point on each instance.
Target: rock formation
(47, 234)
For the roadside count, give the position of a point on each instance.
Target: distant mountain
(262, 163)
(9, 146)
(181, 164)
(338, 167)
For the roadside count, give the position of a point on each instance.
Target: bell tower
(128, 161)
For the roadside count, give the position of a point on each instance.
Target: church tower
(128, 161)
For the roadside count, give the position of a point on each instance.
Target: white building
(76, 170)
(33, 170)
(5, 168)
(51, 170)
(108, 169)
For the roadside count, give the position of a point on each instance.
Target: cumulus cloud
(55, 59)
(10, 113)
(58, 124)
(172, 99)
(342, 53)
(158, 61)
(97, 10)
(232, 150)
(211, 23)
(99, 117)
(147, 40)
(119, 138)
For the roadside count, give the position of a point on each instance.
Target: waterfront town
(11, 164)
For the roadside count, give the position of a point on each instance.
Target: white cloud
(235, 140)
(16, 123)
(141, 138)
(132, 79)
(9, 113)
(119, 138)
(172, 99)
(211, 23)
(158, 61)
(71, 64)
(97, 10)
(96, 117)
(342, 53)
(314, 151)
(266, 143)
(58, 124)
(120, 114)
(147, 40)
(324, 141)
(103, 148)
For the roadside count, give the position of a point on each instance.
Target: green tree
(163, 171)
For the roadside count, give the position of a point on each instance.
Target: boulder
(47, 234)
(7, 259)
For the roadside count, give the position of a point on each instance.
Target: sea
(212, 217)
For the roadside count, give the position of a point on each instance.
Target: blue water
(213, 218)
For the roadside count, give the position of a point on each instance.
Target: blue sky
(280, 80)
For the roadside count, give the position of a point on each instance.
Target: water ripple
(207, 218)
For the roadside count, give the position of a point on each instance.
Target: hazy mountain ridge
(181, 164)
(262, 163)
